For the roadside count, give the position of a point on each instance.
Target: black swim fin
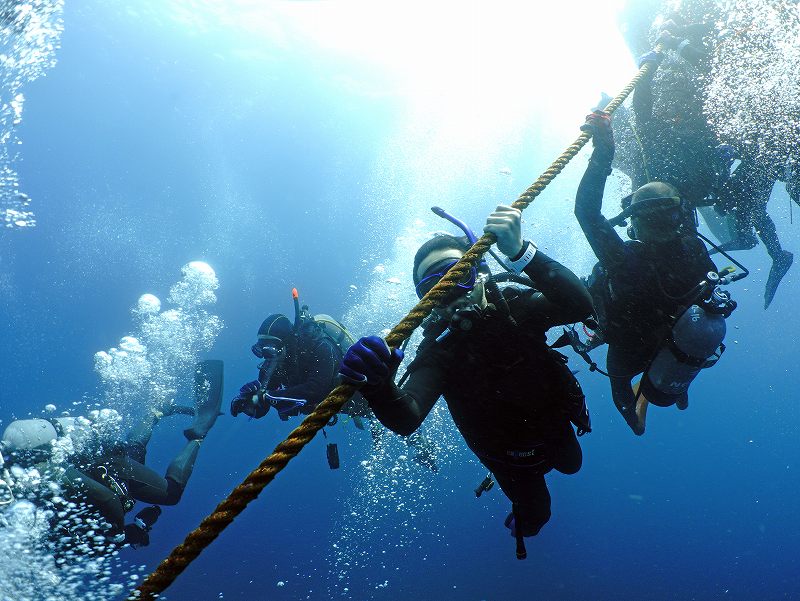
(207, 397)
(779, 269)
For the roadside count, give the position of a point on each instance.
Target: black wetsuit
(745, 195)
(309, 372)
(675, 143)
(510, 396)
(90, 478)
(637, 295)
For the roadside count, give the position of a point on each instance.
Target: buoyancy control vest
(572, 400)
(693, 341)
(636, 302)
(496, 365)
(326, 330)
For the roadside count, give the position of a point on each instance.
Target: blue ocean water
(301, 145)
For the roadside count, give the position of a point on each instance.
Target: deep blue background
(148, 146)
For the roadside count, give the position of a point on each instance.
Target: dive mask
(466, 284)
(267, 347)
(649, 209)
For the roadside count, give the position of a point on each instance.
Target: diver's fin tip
(779, 269)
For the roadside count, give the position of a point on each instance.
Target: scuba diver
(655, 296)
(300, 367)
(667, 137)
(485, 351)
(105, 476)
(743, 196)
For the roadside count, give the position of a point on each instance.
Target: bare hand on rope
(506, 225)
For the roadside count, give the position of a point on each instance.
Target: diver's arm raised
(605, 242)
(563, 297)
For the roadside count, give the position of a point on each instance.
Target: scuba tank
(694, 343)
(35, 434)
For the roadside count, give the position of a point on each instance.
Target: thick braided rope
(213, 525)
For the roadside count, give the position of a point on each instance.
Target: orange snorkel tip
(297, 312)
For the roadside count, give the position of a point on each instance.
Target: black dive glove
(137, 534)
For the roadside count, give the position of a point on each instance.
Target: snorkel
(490, 283)
(297, 312)
(468, 233)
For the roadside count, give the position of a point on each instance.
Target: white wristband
(681, 46)
(527, 256)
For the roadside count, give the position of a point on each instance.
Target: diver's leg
(565, 451)
(765, 228)
(523, 483)
(530, 499)
(79, 486)
(743, 226)
(180, 469)
(781, 259)
(139, 437)
(742, 230)
(208, 398)
(641, 406)
(146, 485)
(622, 367)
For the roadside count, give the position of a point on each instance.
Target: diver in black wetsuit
(744, 195)
(511, 397)
(672, 141)
(300, 368)
(298, 371)
(638, 285)
(107, 477)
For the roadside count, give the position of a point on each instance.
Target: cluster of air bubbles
(73, 555)
(392, 502)
(197, 286)
(29, 37)
(52, 548)
(150, 365)
(753, 99)
(400, 475)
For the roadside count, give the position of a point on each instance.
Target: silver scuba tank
(32, 434)
(693, 345)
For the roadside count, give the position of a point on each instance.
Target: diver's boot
(780, 265)
(208, 399)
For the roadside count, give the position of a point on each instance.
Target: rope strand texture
(222, 516)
